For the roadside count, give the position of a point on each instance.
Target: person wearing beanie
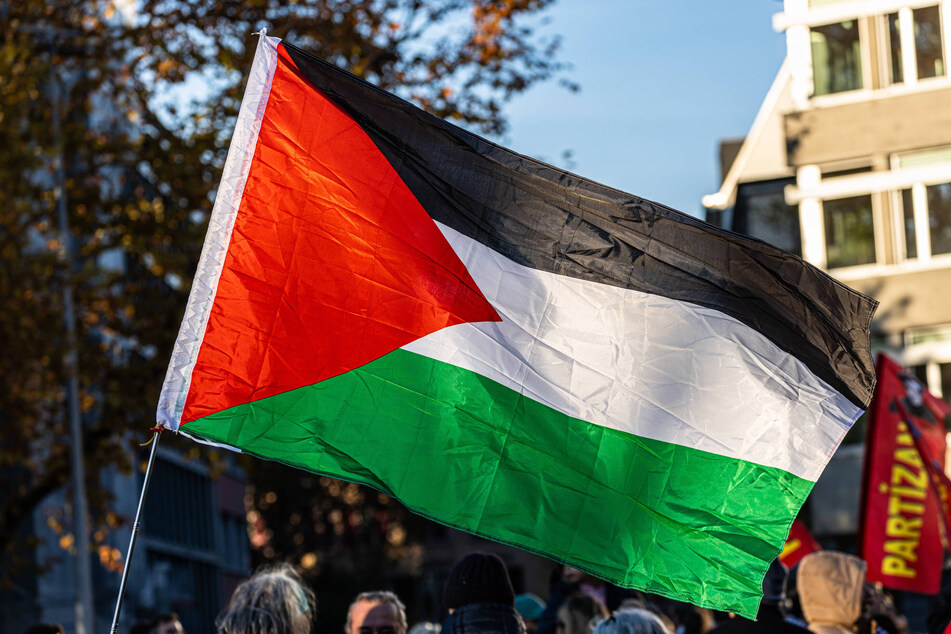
(530, 608)
(480, 598)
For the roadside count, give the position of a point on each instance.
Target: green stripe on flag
(468, 452)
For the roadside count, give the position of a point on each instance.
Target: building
(191, 552)
(848, 164)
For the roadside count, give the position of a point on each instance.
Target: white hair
(273, 601)
(631, 621)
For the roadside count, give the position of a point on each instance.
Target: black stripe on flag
(555, 221)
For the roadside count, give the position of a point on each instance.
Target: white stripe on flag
(218, 238)
(644, 364)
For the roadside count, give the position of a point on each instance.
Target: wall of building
(869, 127)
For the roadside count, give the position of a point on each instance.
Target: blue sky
(662, 81)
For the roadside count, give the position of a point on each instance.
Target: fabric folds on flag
(904, 490)
(508, 348)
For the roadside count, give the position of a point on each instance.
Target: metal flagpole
(135, 528)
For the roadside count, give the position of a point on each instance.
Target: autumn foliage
(121, 110)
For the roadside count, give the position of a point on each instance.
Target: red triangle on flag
(332, 263)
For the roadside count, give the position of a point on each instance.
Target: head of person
(273, 601)
(791, 606)
(631, 621)
(166, 623)
(377, 612)
(579, 613)
(830, 588)
(426, 627)
(480, 597)
(774, 586)
(45, 628)
(478, 578)
(530, 608)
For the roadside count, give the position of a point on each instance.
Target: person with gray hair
(273, 601)
(631, 621)
(376, 612)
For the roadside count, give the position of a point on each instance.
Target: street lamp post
(84, 590)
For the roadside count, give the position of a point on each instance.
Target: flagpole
(135, 527)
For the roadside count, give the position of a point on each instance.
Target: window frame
(864, 60)
(877, 228)
(922, 218)
(931, 353)
(909, 50)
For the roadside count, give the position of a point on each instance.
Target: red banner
(902, 514)
(799, 544)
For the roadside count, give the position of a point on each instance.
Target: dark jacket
(484, 618)
(769, 620)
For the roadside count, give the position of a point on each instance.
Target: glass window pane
(920, 372)
(945, 381)
(761, 212)
(836, 57)
(894, 40)
(908, 211)
(928, 50)
(939, 217)
(850, 233)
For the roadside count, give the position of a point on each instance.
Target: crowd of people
(825, 593)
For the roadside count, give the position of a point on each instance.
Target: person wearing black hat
(770, 617)
(480, 598)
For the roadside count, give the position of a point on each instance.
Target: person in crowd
(579, 614)
(632, 621)
(939, 616)
(376, 612)
(792, 605)
(45, 628)
(141, 627)
(166, 623)
(879, 614)
(273, 601)
(425, 627)
(530, 607)
(480, 598)
(566, 581)
(657, 605)
(770, 617)
(830, 591)
(689, 619)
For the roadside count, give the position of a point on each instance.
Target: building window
(945, 371)
(932, 220)
(187, 587)
(894, 42)
(761, 212)
(180, 511)
(836, 58)
(943, 388)
(922, 36)
(911, 236)
(850, 231)
(939, 217)
(929, 55)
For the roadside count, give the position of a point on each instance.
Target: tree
(147, 94)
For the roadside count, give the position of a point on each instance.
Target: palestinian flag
(507, 348)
